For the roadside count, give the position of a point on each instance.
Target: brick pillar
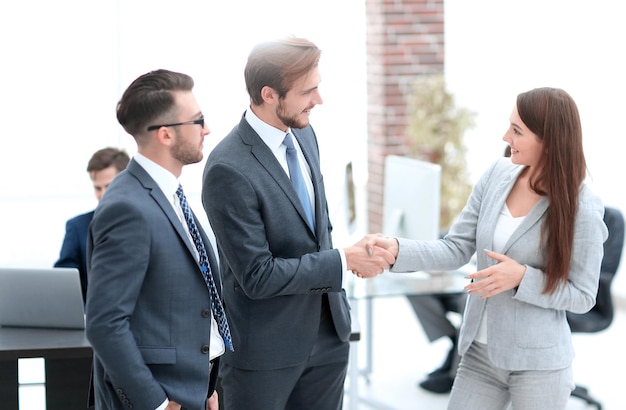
(405, 38)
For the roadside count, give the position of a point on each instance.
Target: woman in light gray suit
(539, 232)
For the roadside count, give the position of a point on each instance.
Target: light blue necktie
(297, 180)
(216, 303)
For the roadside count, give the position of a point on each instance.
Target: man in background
(103, 166)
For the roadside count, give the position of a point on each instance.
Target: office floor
(402, 356)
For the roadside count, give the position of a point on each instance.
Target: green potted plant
(436, 128)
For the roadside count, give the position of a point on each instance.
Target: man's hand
(367, 260)
(172, 405)
(213, 403)
(385, 242)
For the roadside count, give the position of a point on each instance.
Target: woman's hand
(506, 274)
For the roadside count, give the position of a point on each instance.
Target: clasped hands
(372, 255)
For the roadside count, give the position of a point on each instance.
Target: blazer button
(205, 349)
(206, 313)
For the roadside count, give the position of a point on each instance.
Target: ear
(164, 136)
(269, 95)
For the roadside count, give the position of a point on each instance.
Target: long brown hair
(552, 115)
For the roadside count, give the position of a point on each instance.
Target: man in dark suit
(149, 316)
(288, 312)
(102, 167)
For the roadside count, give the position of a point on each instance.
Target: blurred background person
(103, 166)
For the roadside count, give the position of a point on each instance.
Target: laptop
(41, 298)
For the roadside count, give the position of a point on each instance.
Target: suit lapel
(157, 195)
(266, 158)
(533, 217)
(501, 193)
(502, 188)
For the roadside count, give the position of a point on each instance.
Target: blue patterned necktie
(297, 180)
(216, 303)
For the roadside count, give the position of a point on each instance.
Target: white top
(505, 227)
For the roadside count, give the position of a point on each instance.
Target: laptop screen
(41, 298)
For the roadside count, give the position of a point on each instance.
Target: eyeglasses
(199, 121)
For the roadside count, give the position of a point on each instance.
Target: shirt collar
(272, 136)
(164, 178)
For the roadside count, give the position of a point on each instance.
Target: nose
(318, 98)
(100, 193)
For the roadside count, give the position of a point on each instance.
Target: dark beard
(289, 121)
(184, 153)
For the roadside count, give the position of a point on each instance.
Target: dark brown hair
(149, 98)
(106, 157)
(552, 115)
(278, 64)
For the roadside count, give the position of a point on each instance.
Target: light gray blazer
(526, 329)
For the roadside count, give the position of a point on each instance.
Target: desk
(68, 359)
(389, 285)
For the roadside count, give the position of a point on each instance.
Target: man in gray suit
(149, 318)
(288, 312)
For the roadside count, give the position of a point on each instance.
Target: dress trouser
(479, 385)
(318, 383)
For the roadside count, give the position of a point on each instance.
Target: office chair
(601, 315)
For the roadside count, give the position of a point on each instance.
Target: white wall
(66, 63)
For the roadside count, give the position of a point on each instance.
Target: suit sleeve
(457, 247)
(120, 240)
(264, 249)
(69, 256)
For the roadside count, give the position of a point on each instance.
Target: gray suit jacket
(274, 268)
(526, 329)
(147, 305)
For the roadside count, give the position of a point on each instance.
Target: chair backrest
(601, 315)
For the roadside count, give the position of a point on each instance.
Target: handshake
(371, 255)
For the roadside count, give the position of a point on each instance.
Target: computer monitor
(411, 198)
